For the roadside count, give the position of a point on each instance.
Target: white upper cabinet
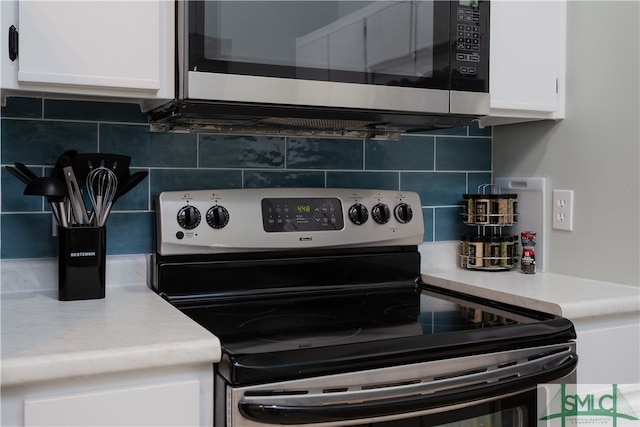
(105, 48)
(527, 66)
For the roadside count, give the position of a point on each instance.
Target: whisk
(102, 185)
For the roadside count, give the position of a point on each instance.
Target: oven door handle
(492, 383)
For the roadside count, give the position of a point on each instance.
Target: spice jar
(494, 209)
(482, 206)
(506, 251)
(464, 251)
(468, 208)
(476, 250)
(503, 209)
(492, 252)
(512, 213)
(528, 260)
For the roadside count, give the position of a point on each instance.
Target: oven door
(497, 389)
(382, 55)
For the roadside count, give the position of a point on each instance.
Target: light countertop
(570, 297)
(131, 328)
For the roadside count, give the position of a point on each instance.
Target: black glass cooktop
(267, 337)
(299, 322)
(290, 315)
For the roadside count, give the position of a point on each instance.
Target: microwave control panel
(470, 44)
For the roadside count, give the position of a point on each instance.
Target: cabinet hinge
(13, 43)
(557, 84)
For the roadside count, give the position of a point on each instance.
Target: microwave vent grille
(317, 123)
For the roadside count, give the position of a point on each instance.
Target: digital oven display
(301, 214)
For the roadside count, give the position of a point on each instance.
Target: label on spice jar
(468, 208)
(494, 210)
(492, 252)
(475, 252)
(464, 251)
(481, 207)
(528, 261)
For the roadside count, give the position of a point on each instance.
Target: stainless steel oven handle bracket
(297, 408)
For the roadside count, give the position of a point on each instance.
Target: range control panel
(246, 220)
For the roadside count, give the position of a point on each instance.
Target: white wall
(595, 151)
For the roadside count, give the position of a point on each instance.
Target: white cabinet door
(170, 404)
(527, 61)
(90, 43)
(109, 48)
(608, 350)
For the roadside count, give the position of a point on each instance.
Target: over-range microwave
(328, 67)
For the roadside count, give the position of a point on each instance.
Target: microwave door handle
(339, 406)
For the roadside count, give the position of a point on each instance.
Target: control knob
(403, 213)
(381, 213)
(358, 214)
(217, 216)
(189, 217)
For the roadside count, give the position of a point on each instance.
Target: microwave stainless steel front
(328, 67)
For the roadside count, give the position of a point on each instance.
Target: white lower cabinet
(608, 349)
(166, 397)
(160, 404)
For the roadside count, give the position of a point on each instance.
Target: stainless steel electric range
(317, 300)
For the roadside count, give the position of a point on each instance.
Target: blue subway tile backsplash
(439, 165)
(41, 142)
(232, 151)
(149, 149)
(314, 153)
(416, 153)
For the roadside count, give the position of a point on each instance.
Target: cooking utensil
(102, 185)
(65, 159)
(129, 183)
(55, 191)
(18, 175)
(83, 163)
(25, 170)
(75, 197)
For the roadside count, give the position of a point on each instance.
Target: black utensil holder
(81, 262)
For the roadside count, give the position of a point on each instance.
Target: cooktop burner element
(307, 331)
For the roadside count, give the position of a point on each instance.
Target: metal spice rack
(490, 211)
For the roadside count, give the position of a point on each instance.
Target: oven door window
(515, 411)
(515, 417)
(400, 43)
